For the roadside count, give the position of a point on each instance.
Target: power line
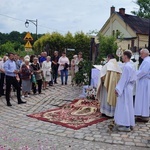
(24, 21)
(12, 17)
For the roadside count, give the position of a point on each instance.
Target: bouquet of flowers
(91, 93)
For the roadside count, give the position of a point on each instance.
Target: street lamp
(35, 22)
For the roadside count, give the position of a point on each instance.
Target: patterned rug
(77, 114)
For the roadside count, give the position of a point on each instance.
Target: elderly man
(142, 99)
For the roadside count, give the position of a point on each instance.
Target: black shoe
(55, 82)
(65, 83)
(41, 93)
(9, 104)
(21, 102)
(2, 95)
(62, 84)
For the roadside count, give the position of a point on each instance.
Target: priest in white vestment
(142, 98)
(124, 112)
(109, 77)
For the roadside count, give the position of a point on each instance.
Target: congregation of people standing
(30, 75)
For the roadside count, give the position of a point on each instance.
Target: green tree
(56, 41)
(82, 43)
(6, 48)
(82, 76)
(108, 45)
(144, 8)
(14, 47)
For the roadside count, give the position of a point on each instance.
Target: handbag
(48, 73)
(33, 79)
(66, 66)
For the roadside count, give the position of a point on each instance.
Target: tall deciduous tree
(144, 8)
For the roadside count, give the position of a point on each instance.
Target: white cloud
(58, 15)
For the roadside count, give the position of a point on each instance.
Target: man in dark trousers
(11, 73)
(55, 65)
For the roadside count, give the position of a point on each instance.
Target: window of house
(117, 33)
(113, 32)
(128, 46)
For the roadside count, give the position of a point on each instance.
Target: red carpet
(77, 114)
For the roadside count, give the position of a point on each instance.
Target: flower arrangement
(91, 93)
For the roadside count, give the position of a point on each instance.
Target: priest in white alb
(124, 112)
(142, 98)
(109, 77)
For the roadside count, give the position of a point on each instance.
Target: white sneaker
(28, 95)
(22, 96)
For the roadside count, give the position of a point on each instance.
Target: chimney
(122, 11)
(112, 10)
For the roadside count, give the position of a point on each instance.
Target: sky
(58, 15)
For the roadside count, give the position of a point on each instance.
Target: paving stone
(137, 141)
(109, 141)
(89, 138)
(130, 143)
(61, 134)
(127, 139)
(117, 138)
(124, 136)
(18, 131)
(98, 136)
(115, 135)
(140, 144)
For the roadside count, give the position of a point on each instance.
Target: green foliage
(82, 76)
(82, 43)
(56, 41)
(6, 48)
(13, 47)
(107, 46)
(14, 42)
(144, 8)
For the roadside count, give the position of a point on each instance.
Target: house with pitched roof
(132, 31)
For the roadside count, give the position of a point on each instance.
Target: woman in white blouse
(63, 67)
(46, 67)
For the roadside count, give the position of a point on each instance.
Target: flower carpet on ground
(77, 114)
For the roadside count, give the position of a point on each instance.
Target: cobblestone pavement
(19, 132)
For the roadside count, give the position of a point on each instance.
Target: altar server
(124, 112)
